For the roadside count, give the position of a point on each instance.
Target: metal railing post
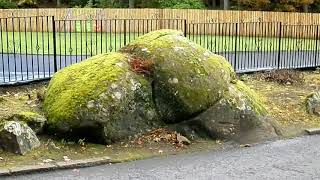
(235, 49)
(185, 28)
(279, 53)
(315, 56)
(54, 45)
(125, 31)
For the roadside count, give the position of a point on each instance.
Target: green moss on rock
(254, 101)
(72, 87)
(101, 94)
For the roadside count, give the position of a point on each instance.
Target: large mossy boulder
(159, 79)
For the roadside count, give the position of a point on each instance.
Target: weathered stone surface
(313, 103)
(17, 137)
(236, 116)
(160, 78)
(34, 120)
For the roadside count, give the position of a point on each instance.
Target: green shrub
(182, 4)
(4, 4)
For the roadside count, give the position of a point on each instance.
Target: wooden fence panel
(191, 15)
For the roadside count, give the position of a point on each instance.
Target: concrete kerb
(72, 164)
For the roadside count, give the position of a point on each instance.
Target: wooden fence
(191, 16)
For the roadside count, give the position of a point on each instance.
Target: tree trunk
(213, 4)
(131, 3)
(58, 3)
(226, 4)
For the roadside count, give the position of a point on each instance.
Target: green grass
(96, 43)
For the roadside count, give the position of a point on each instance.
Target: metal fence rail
(34, 48)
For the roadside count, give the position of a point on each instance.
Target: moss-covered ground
(284, 102)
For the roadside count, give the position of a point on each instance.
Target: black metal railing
(256, 46)
(26, 45)
(34, 48)
(79, 39)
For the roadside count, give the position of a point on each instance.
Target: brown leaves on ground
(162, 135)
(282, 76)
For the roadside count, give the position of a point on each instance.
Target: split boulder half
(159, 80)
(17, 137)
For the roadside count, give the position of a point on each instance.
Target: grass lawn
(92, 43)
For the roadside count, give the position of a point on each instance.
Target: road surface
(20, 67)
(292, 159)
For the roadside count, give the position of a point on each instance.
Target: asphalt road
(20, 67)
(292, 159)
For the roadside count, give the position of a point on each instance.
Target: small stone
(245, 145)
(47, 161)
(313, 103)
(52, 144)
(76, 170)
(183, 140)
(66, 158)
(17, 137)
(145, 50)
(313, 131)
(1, 158)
